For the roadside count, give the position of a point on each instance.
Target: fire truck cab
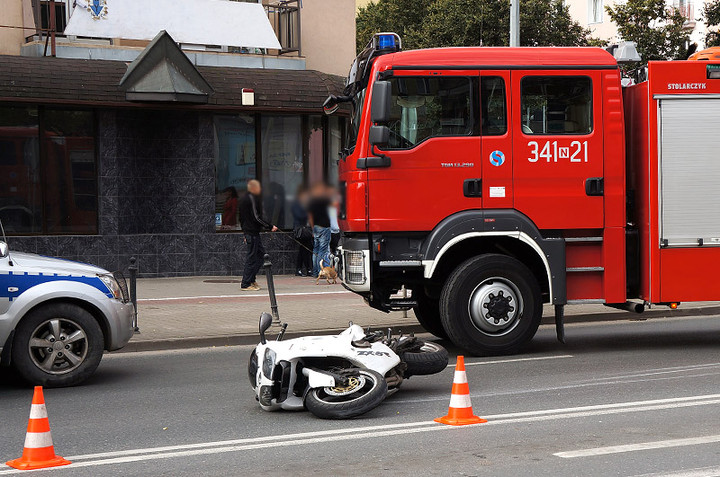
(489, 181)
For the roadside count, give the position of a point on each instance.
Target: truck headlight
(354, 267)
(268, 363)
(112, 285)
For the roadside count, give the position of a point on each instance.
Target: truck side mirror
(4, 250)
(379, 136)
(381, 102)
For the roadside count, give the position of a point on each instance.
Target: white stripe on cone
(38, 411)
(460, 401)
(460, 377)
(38, 440)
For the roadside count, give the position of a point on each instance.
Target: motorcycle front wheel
(425, 358)
(365, 390)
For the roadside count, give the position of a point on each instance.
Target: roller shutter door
(690, 171)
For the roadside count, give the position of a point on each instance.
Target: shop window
(20, 187)
(494, 113)
(235, 164)
(429, 107)
(282, 166)
(48, 176)
(315, 149)
(556, 105)
(70, 172)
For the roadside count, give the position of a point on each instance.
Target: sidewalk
(213, 311)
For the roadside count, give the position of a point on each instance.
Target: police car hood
(30, 262)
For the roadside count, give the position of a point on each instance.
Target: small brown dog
(328, 272)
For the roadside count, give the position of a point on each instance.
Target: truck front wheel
(491, 304)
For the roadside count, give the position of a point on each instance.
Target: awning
(198, 22)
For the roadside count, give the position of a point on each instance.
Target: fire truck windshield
(356, 117)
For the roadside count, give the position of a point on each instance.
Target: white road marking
(204, 297)
(697, 472)
(658, 371)
(690, 441)
(515, 392)
(337, 435)
(514, 360)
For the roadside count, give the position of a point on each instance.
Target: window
(20, 187)
(70, 172)
(595, 11)
(61, 17)
(282, 166)
(429, 107)
(48, 174)
(556, 105)
(493, 114)
(235, 164)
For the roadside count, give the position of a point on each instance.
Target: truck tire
(57, 345)
(427, 313)
(491, 304)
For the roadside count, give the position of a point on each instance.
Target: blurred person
(303, 233)
(252, 223)
(229, 216)
(319, 220)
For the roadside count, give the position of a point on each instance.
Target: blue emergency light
(387, 41)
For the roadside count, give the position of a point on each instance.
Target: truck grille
(123, 285)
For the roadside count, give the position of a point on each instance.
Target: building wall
(157, 202)
(607, 30)
(328, 35)
(15, 13)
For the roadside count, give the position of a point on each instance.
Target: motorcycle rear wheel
(365, 392)
(427, 358)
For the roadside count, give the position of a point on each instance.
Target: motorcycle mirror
(265, 323)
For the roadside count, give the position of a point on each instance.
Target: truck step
(583, 239)
(400, 305)
(585, 269)
(589, 301)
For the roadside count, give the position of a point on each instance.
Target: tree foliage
(437, 23)
(656, 28)
(711, 12)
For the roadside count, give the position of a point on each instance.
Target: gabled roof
(162, 72)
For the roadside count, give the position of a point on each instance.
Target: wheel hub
(354, 383)
(495, 306)
(58, 346)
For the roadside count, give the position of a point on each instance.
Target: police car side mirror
(379, 135)
(4, 250)
(381, 102)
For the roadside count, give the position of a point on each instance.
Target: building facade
(592, 15)
(100, 165)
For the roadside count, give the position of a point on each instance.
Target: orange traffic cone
(460, 412)
(38, 452)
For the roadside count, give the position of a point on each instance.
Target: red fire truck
(489, 181)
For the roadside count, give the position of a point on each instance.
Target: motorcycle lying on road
(335, 376)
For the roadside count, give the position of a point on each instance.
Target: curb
(242, 339)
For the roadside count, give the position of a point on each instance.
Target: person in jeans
(319, 220)
(252, 223)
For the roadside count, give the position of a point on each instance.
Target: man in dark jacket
(252, 223)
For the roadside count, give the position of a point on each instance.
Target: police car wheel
(57, 345)
(491, 304)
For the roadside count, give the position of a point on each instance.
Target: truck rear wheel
(427, 313)
(491, 304)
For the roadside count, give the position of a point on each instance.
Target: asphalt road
(620, 399)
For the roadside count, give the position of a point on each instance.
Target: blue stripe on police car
(13, 284)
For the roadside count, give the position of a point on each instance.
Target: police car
(57, 317)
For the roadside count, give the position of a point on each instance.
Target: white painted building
(591, 14)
